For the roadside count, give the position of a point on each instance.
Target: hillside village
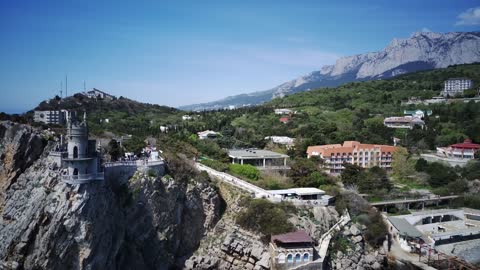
(407, 147)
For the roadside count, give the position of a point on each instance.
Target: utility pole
(66, 86)
(61, 89)
(84, 87)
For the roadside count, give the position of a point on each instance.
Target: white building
(403, 122)
(418, 113)
(456, 86)
(283, 111)
(57, 117)
(98, 94)
(187, 117)
(207, 134)
(283, 140)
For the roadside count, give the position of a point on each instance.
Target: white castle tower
(82, 160)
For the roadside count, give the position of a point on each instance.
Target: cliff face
(20, 146)
(149, 223)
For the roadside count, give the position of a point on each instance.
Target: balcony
(82, 178)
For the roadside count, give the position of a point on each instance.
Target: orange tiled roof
(347, 147)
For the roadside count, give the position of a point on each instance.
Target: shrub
(265, 217)
(247, 171)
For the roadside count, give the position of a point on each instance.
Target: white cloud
(470, 17)
(425, 29)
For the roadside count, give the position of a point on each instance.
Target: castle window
(290, 258)
(298, 257)
(281, 258)
(306, 257)
(75, 171)
(75, 152)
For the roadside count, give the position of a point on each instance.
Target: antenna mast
(61, 89)
(84, 87)
(66, 86)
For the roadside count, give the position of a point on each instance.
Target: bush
(265, 217)
(376, 229)
(247, 171)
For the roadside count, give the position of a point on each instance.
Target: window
(306, 257)
(75, 152)
(290, 258)
(298, 257)
(281, 258)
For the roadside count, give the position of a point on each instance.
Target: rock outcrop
(149, 223)
(357, 254)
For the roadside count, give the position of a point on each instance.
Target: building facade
(291, 250)
(456, 86)
(353, 152)
(58, 117)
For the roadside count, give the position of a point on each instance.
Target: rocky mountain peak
(421, 51)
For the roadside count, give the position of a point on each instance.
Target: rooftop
(404, 227)
(348, 147)
(467, 144)
(293, 237)
(299, 191)
(254, 153)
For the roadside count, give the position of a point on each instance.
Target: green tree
(401, 164)
(114, 150)
(421, 165)
(352, 174)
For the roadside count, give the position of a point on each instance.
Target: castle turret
(77, 134)
(82, 161)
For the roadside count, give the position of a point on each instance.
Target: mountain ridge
(421, 51)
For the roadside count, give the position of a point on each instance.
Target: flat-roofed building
(262, 159)
(291, 250)
(353, 152)
(303, 195)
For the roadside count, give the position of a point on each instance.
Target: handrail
(83, 177)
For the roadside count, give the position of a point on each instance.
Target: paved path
(430, 199)
(235, 181)
(324, 241)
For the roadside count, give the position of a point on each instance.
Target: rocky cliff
(149, 223)
(423, 50)
(228, 246)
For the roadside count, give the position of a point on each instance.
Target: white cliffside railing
(82, 178)
(134, 163)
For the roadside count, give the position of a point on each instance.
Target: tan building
(353, 152)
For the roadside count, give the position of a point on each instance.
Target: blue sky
(182, 52)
